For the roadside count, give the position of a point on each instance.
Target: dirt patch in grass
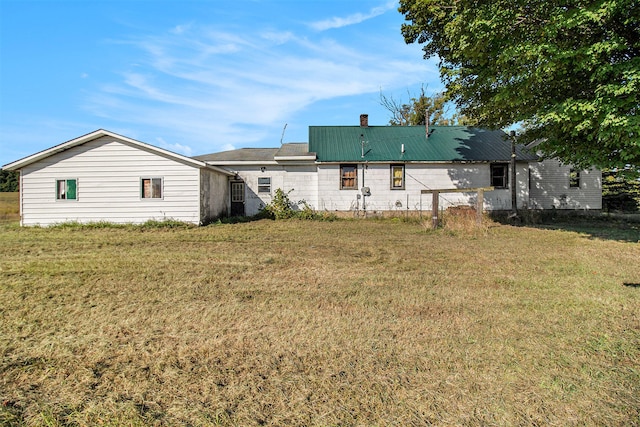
(313, 323)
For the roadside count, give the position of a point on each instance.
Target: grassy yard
(9, 207)
(350, 323)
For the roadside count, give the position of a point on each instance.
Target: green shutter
(71, 189)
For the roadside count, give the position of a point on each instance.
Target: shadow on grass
(620, 227)
(631, 285)
(238, 219)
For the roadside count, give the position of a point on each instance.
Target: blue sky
(198, 76)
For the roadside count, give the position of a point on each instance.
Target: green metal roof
(384, 144)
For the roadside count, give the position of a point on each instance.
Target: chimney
(364, 120)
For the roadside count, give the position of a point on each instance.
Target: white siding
(550, 187)
(300, 181)
(418, 177)
(109, 171)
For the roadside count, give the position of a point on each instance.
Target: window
(500, 175)
(237, 192)
(66, 189)
(152, 188)
(574, 178)
(348, 177)
(264, 185)
(397, 177)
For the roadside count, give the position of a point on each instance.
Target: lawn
(344, 323)
(9, 207)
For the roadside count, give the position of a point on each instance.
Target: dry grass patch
(9, 207)
(309, 323)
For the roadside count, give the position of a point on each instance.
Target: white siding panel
(109, 171)
(550, 187)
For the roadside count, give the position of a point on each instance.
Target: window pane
(71, 189)
(397, 176)
(151, 188)
(237, 192)
(66, 189)
(499, 176)
(157, 188)
(349, 175)
(146, 188)
(61, 189)
(264, 185)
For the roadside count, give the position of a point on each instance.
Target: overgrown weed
(282, 207)
(168, 224)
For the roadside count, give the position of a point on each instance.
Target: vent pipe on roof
(364, 120)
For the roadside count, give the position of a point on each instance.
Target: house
(103, 176)
(389, 168)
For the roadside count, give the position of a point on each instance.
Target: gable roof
(385, 143)
(18, 164)
(292, 151)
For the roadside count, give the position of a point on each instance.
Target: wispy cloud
(176, 148)
(210, 89)
(356, 18)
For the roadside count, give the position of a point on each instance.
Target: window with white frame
(397, 177)
(66, 189)
(264, 184)
(151, 188)
(500, 175)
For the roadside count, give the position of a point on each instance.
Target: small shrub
(280, 207)
(306, 212)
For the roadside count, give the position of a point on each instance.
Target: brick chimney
(364, 120)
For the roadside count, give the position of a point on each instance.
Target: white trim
(211, 163)
(18, 164)
(57, 190)
(220, 170)
(151, 178)
(294, 158)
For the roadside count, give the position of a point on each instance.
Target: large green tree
(568, 70)
(9, 181)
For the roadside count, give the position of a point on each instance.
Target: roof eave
(294, 158)
(220, 170)
(41, 155)
(416, 161)
(240, 162)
